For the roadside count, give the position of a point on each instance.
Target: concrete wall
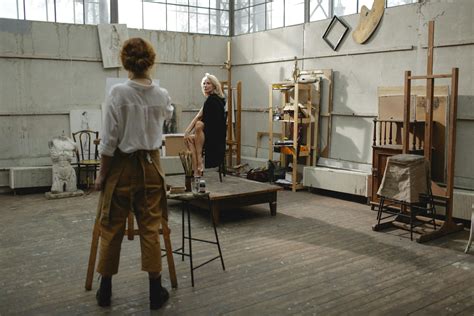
(48, 69)
(399, 44)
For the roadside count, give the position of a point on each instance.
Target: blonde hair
(215, 82)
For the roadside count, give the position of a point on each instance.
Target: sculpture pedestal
(62, 195)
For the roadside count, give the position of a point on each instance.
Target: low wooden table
(231, 192)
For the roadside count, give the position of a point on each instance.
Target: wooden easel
(231, 142)
(444, 196)
(130, 232)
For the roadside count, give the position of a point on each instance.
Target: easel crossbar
(436, 76)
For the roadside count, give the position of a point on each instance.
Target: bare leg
(191, 146)
(199, 143)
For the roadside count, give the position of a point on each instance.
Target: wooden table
(232, 192)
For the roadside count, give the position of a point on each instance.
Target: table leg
(214, 208)
(273, 204)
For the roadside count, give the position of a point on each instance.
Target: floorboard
(317, 256)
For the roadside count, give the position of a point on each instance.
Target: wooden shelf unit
(285, 89)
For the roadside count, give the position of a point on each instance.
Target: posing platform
(232, 192)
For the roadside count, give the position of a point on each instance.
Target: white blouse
(134, 117)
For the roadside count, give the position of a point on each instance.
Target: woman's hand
(99, 183)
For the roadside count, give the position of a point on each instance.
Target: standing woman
(130, 177)
(209, 127)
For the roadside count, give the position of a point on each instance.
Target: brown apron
(135, 183)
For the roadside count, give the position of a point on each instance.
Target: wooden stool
(130, 232)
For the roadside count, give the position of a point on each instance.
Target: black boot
(104, 292)
(158, 294)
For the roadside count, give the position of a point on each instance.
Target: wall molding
(331, 55)
(99, 60)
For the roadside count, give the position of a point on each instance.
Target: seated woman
(209, 127)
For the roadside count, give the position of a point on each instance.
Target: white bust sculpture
(62, 150)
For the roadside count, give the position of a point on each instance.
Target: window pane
(199, 20)
(65, 11)
(220, 4)
(35, 10)
(367, 3)
(345, 7)
(154, 16)
(219, 22)
(203, 3)
(294, 12)
(241, 20)
(78, 12)
(241, 4)
(257, 18)
(185, 2)
(10, 10)
(257, 1)
(97, 11)
(130, 13)
(274, 14)
(393, 3)
(319, 10)
(177, 18)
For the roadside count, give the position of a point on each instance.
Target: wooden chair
(130, 232)
(87, 155)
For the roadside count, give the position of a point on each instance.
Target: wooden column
(406, 113)
(429, 95)
(230, 111)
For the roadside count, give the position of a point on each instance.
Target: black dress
(214, 119)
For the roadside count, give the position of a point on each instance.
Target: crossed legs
(194, 144)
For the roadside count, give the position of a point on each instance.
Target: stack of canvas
(405, 178)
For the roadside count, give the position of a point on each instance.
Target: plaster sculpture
(62, 150)
(368, 21)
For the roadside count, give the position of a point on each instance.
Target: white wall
(399, 44)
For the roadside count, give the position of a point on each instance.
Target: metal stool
(185, 199)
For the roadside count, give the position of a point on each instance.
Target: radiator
(29, 177)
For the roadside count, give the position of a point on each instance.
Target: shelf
(295, 102)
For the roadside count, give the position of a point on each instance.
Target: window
(294, 12)
(344, 7)
(275, 14)
(196, 16)
(393, 3)
(319, 10)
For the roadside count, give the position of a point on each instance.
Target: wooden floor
(317, 256)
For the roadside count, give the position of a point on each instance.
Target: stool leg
(190, 245)
(468, 246)
(182, 230)
(92, 256)
(130, 228)
(217, 237)
(169, 254)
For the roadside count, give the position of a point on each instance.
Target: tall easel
(231, 142)
(444, 196)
